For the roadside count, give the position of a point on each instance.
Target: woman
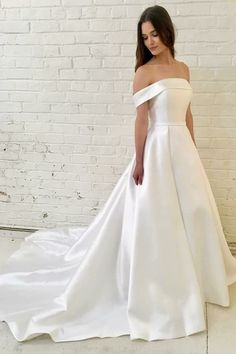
(155, 60)
(156, 251)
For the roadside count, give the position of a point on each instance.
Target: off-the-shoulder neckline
(157, 82)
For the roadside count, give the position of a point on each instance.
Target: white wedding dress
(148, 262)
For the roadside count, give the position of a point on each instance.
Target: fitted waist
(168, 123)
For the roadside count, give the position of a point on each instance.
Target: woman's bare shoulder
(185, 69)
(141, 78)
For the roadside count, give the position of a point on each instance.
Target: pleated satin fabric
(147, 263)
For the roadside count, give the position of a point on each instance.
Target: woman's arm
(189, 116)
(141, 124)
(141, 127)
(189, 123)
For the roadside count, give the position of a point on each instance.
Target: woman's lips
(153, 48)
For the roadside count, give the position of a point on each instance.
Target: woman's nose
(150, 41)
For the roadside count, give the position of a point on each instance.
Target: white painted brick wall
(66, 110)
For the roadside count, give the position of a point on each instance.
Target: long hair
(162, 23)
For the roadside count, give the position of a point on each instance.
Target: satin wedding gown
(148, 262)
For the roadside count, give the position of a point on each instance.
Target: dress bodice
(168, 100)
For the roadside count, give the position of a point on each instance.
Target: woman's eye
(154, 35)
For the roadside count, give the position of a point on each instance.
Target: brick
(15, 3)
(44, 26)
(14, 27)
(45, 3)
(35, 13)
(75, 2)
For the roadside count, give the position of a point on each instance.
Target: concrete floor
(219, 338)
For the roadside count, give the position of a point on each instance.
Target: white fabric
(147, 263)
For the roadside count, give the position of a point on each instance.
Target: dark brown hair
(161, 21)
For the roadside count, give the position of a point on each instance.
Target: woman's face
(151, 38)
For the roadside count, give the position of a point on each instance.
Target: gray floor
(219, 338)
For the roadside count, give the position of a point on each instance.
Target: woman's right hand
(138, 173)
